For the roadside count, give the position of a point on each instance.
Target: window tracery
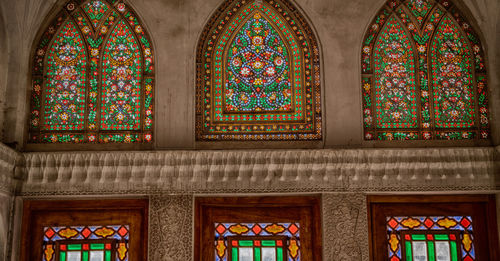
(423, 74)
(258, 74)
(93, 77)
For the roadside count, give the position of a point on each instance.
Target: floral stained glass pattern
(430, 238)
(258, 77)
(452, 78)
(258, 74)
(121, 76)
(431, 83)
(95, 11)
(65, 77)
(96, 84)
(106, 243)
(257, 242)
(395, 78)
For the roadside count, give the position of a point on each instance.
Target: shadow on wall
(3, 237)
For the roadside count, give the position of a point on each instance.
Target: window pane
(74, 256)
(96, 256)
(245, 254)
(419, 250)
(443, 251)
(268, 254)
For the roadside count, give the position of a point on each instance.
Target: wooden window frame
(482, 209)
(305, 210)
(38, 214)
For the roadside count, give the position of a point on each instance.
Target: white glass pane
(96, 256)
(268, 254)
(419, 250)
(245, 254)
(443, 251)
(74, 256)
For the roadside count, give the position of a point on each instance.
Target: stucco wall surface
(175, 26)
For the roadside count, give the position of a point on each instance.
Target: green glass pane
(409, 256)
(246, 243)
(418, 237)
(431, 252)
(257, 253)
(85, 256)
(96, 246)
(453, 251)
(268, 243)
(280, 254)
(235, 254)
(75, 247)
(107, 255)
(62, 256)
(441, 237)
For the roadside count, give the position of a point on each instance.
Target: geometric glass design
(423, 74)
(257, 242)
(93, 77)
(258, 74)
(436, 238)
(86, 243)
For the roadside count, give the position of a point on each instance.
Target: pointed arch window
(423, 74)
(93, 77)
(258, 74)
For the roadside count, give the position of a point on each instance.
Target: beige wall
(175, 26)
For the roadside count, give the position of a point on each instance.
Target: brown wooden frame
(41, 213)
(305, 210)
(482, 209)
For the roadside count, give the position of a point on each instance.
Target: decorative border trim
(444, 169)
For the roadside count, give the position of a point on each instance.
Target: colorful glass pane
(96, 10)
(121, 81)
(65, 81)
(430, 238)
(452, 78)
(419, 8)
(438, 97)
(395, 98)
(258, 77)
(257, 241)
(86, 243)
(107, 95)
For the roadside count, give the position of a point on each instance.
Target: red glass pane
(49, 233)
(393, 223)
(122, 231)
(293, 229)
(220, 229)
(86, 232)
(428, 223)
(256, 229)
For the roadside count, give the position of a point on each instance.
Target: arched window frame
(94, 40)
(308, 127)
(421, 34)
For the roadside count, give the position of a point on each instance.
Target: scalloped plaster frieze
(260, 171)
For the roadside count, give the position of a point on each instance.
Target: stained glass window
(258, 74)
(93, 77)
(430, 238)
(257, 242)
(423, 74)
(86, 243)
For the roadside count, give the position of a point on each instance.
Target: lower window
(104, 230)
(433, 228)
(258, 229)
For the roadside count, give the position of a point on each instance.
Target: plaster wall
(175, 26)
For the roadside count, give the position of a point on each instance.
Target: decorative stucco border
(436, 169)
(9, 159)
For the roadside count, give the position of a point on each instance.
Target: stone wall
(175, 26)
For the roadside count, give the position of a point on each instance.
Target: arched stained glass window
(93, 77)
(258, 74)
(423, 74)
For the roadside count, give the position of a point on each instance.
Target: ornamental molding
(9, 159)
(344, 220)
(363, 170)
(171, 221)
